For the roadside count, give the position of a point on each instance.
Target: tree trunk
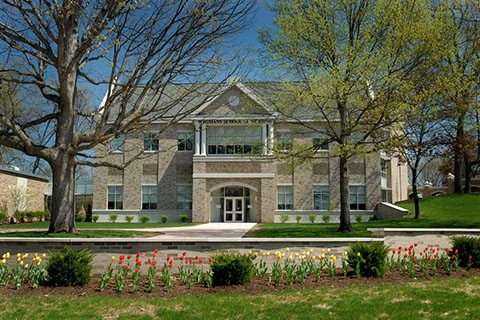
(416, 200)
(63, 211)
(468, 175)
(345, 224)
(458, 157)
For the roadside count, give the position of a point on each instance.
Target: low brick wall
(104, 249)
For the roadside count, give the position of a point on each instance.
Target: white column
(204, 139)
(197, 138)
(270, 138)
(265, 139)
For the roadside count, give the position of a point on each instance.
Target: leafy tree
(134, 49)
(345, 66)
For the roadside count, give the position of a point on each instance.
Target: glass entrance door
(234, 209)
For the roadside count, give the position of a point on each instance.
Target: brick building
(217, 165)
(21, 190)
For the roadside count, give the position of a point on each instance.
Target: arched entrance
(233, 203)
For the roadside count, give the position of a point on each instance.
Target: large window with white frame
(321, 197)
(184, 197)
(320, 141)
(184, 141)
(149, 197)
(118, 144)
(285, 197)
(357, 198)
(234, 140)
(150, 141)
(115, 198)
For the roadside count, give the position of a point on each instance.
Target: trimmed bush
(372, 217)
(358, 218)
(80, 217)
(129, 219)
(144, 219)
(231, 269)
(71, 268)
(298, 218)
(326, 218)
(29, 216)
(284, 217)
(113, 217)
(373, 258)
(164, 218)
(3, 217)
(312, 217)
(19, 216)
(467, 246)
(183, 217)
(95, 218)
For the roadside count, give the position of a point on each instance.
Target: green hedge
(373, 258)
(467, 246)
(72, 268)
(231, 269)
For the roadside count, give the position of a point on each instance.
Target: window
(320, 141)
(185, 141)
(383, 168)
(150, 141)
(234, 140)
(321, 197)
(184, 197)
(357, 198)
(115, 197)
(118, 144)
(149, 197)
(285, 198)
(284, 141)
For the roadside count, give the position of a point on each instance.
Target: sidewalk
(202, 231)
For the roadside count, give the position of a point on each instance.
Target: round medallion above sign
(233, 101)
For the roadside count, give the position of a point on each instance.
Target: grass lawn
(99, 225)
(452, 298)
(82, 234)
(447, 211)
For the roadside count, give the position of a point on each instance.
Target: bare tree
(135, 49)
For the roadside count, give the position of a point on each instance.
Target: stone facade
(208, 175)
(30, 189)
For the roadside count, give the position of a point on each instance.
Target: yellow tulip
(323, 250)
(26, 266)
(303, 253)
(113, 258)
(21, 263)
(18, 255)
(358, 254)
(250, 252)
(3, 261)
(35, 255)
(256, 254)
(308, 253)
(296, 254)
(319, 256)
(288, 249)
(268, 253)
(313, 258)
(264, 254)
(18, 259)
(44, 256)
(39, 263)
(8, 255)
(345, 253)
(4, 256)
(328, 250)
(311, 250)
(323, 256)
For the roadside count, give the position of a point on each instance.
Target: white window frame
(155, 134)
(357, 203)
(184, 202)
(243, 144)
(115, 185)
(321, 147)
(117, 150)
(285, 194)
(313, 195)
(190, 135)
(280, 132)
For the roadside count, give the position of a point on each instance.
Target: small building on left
(21, 191)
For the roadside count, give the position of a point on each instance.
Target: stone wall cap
(433, 230)
(192, 240)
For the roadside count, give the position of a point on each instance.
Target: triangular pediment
(235, 100)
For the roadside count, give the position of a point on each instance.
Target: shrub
(39, 215)
(46, 215)
(129, 218)
(312, 217)
(113, 217)
(3, 217)
(284, 217)
(29, 215)
(95, 218)
(72, 268)
(467, 246)
(373, 258)
(144, 219)
(183, 217)
(231, 269)
(80, 217)
(19, 216)
(372, 217)
(358, 218)
(326, 218)
(298, 218)
(164, 218)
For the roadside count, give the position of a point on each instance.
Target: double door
(234, 209)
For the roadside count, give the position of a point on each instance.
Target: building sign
(234, 121)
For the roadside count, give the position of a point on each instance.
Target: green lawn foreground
(435, 299)
(446, 211)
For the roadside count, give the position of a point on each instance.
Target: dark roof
(23, 174)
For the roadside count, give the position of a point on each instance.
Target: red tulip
(200, 260)
(435, 256)
(109, 268)
(415, 244)
(156, 250)
(164, 268)
(181, 258)
(186, 261)
(154, 263)
(170, 266)
(126, 267)
(137, 271)
(196, 257)
(149, 260)
(411, 247)
(210, 260)
(120, 262)
(139, 263)
(453, 257)
(119, 276)
(469, 257)
(191, 260)
(138, 254)
(406, 256)
(456, 251)
(184, 253)
(421, 253)
(406, 249)
(393, 251)
(155, 254)
(413, 258)
(128, 257)
(151, 267)
(122, 257)
(429, 257)
(447, 250)
(409, 253)
(168, 258)
(400, 248)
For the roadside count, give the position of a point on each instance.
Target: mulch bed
(255, 287)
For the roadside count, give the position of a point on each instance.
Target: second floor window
(320, 142)
(118, 144)
(150, 141)
(284, 141)
(185, 141)
(234, 140)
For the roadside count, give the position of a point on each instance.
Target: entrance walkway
(202, 231)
